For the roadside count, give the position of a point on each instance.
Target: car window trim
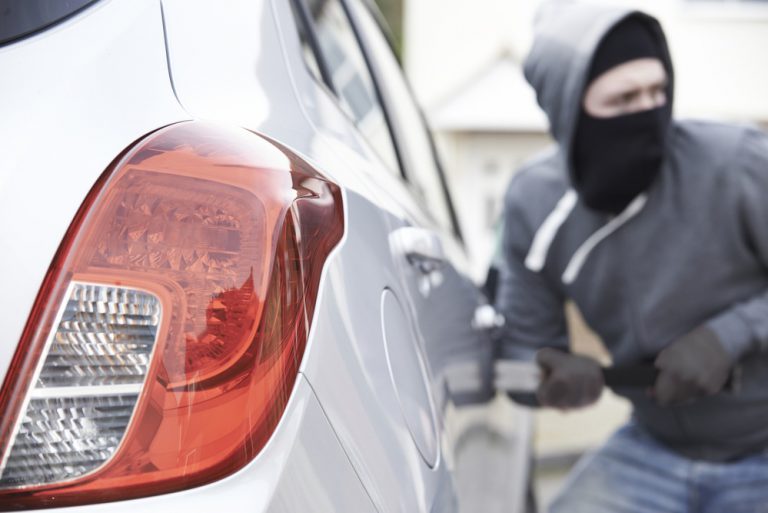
(378, 19)
(327, 77)
(309, 29)
(376, 88)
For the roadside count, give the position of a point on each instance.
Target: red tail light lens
(166, 339)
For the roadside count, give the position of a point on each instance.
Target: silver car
(232, 278)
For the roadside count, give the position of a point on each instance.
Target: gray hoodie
(691, 250)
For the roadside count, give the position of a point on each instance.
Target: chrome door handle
(420, 247)
(487, 318)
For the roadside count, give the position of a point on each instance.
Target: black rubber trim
(20, 19)
(378, 18)
(308, 28)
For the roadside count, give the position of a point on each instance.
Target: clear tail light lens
(167, 336)
(86, 386)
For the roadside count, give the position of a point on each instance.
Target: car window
(305, 38)
(411, 133)
(349, 76)
(22, 18)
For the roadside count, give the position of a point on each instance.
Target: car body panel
(358, 394)
(63, 121)
(240, 64)
(246, 60)
(290, 474)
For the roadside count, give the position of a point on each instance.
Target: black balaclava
(617, 158)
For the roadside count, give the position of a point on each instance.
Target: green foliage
(393, 14)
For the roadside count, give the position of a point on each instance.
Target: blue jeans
(632, 473)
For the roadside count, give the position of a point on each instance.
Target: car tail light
(166, 338)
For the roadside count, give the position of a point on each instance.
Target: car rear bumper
(302, 468)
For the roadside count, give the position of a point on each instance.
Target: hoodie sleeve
(532, 307)
(744, 327)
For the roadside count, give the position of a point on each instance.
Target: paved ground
(493, 447)
(494, 444)
(547, 484)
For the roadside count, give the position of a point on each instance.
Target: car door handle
(487, 318)
(420, 247)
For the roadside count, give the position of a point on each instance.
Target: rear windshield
(21, 18)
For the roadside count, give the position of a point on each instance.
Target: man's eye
(627, 98)
(623, 100)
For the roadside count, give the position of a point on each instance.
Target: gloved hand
(568, 380)
(693, 366)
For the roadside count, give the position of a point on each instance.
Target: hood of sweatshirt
(566, 37)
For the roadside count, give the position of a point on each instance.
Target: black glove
(695, 365)
(568, 380)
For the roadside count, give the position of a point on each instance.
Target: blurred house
(464, 61)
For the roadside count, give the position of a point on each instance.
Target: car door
(490, 443)
(428, 248)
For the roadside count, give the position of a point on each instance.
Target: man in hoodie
(658, 230)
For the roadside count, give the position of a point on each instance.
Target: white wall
(447, 41)
(481, 165)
